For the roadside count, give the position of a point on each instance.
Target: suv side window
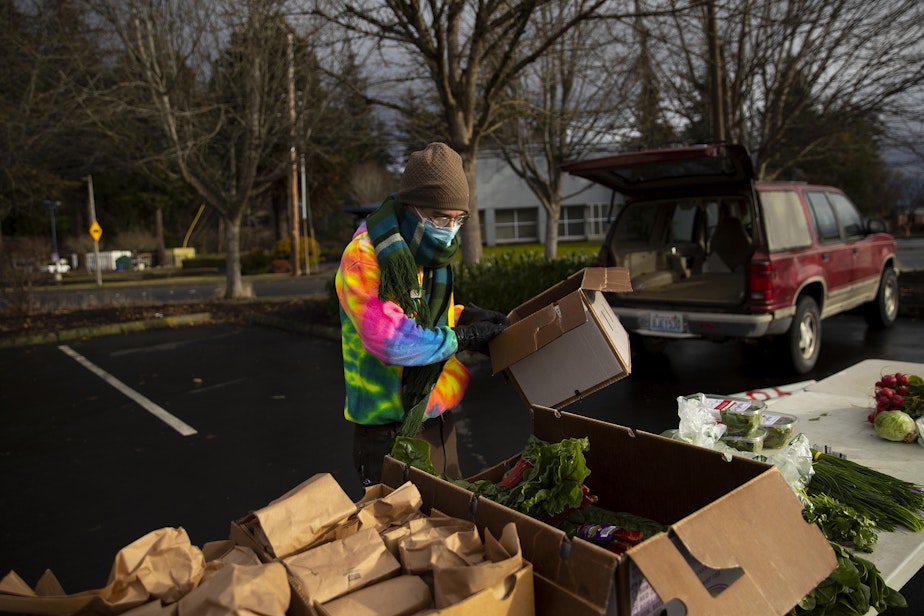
(847, 215)
(825, 220)
(785, 220)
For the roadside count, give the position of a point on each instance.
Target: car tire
(802, 343)
(882, 311)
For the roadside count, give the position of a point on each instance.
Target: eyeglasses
(443, 221)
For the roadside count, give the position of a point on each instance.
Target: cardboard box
(738, 518)
(569, 329)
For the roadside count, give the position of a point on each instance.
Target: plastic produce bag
(698, 424)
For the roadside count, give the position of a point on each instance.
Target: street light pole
(54, 239)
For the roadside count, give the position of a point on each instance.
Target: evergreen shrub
(506, 280)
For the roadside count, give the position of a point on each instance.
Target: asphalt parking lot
(107, 439)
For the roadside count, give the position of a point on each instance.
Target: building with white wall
(511, 213)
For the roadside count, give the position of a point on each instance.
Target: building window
(599, 222)
(571, 223)
(517, 225)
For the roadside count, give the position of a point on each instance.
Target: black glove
(475, 336)
(473, 313)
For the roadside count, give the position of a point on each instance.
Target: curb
(322, 331)
(82, 333)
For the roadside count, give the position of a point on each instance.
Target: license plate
(670, 322)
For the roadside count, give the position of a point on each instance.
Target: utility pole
(306, 219)
(55, 258)
(95, 230)
(293, 159)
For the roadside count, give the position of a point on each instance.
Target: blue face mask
(442, 235)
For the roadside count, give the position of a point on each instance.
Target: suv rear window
(784, 221)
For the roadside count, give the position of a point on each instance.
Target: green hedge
(505, 281)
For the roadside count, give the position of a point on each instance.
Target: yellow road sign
(96, 231)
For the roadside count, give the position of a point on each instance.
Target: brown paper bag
(298, 517)
(400, 596)
(17, 596)
(239, 589)
(154, 608)
(229, 553)
(457, 537)
(334, 569)
(394, 509)
(160, 565)
(454, 581)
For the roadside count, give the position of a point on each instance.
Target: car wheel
(882, 311)
(803, 340)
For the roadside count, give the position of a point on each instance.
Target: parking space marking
(158, 411)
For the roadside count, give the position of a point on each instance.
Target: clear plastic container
(780, 428)
(753, 443)
(740, 415)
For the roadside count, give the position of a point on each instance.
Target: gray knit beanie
(434, 178)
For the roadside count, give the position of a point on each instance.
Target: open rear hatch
(636, 173)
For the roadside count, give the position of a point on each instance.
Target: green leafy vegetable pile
(840, 523)
(853, 588)
(850, 502)
(549, 479)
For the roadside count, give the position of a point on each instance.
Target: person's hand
(473, 313)
(475, 336)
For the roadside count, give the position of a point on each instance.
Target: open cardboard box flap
(554, 312)
(745, 534)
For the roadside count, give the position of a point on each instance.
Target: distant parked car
(60, 267)
(714, 254)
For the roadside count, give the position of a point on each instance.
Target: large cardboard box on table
(570, 331)
(728, 520)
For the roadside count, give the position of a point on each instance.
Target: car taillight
(761, 283)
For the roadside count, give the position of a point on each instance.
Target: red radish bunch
(899, 392)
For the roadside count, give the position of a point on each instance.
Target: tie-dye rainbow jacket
(378, 339)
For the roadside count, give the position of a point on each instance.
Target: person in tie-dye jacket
(400, 327)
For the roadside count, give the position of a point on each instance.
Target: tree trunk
(234, 283)
(159, 236)
(551, 236)
(470, 236)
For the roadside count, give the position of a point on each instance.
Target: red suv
(712, 253)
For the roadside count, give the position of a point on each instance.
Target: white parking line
(159, 412)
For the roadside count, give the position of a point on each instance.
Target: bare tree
(793, 73)
(46, 143)
(566, 103)
(212, 78)
(464, 53)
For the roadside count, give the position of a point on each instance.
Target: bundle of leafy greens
(886, 500)
(840, 523)
(548, 481)
(854, 588)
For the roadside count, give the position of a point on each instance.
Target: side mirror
(876, 225)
